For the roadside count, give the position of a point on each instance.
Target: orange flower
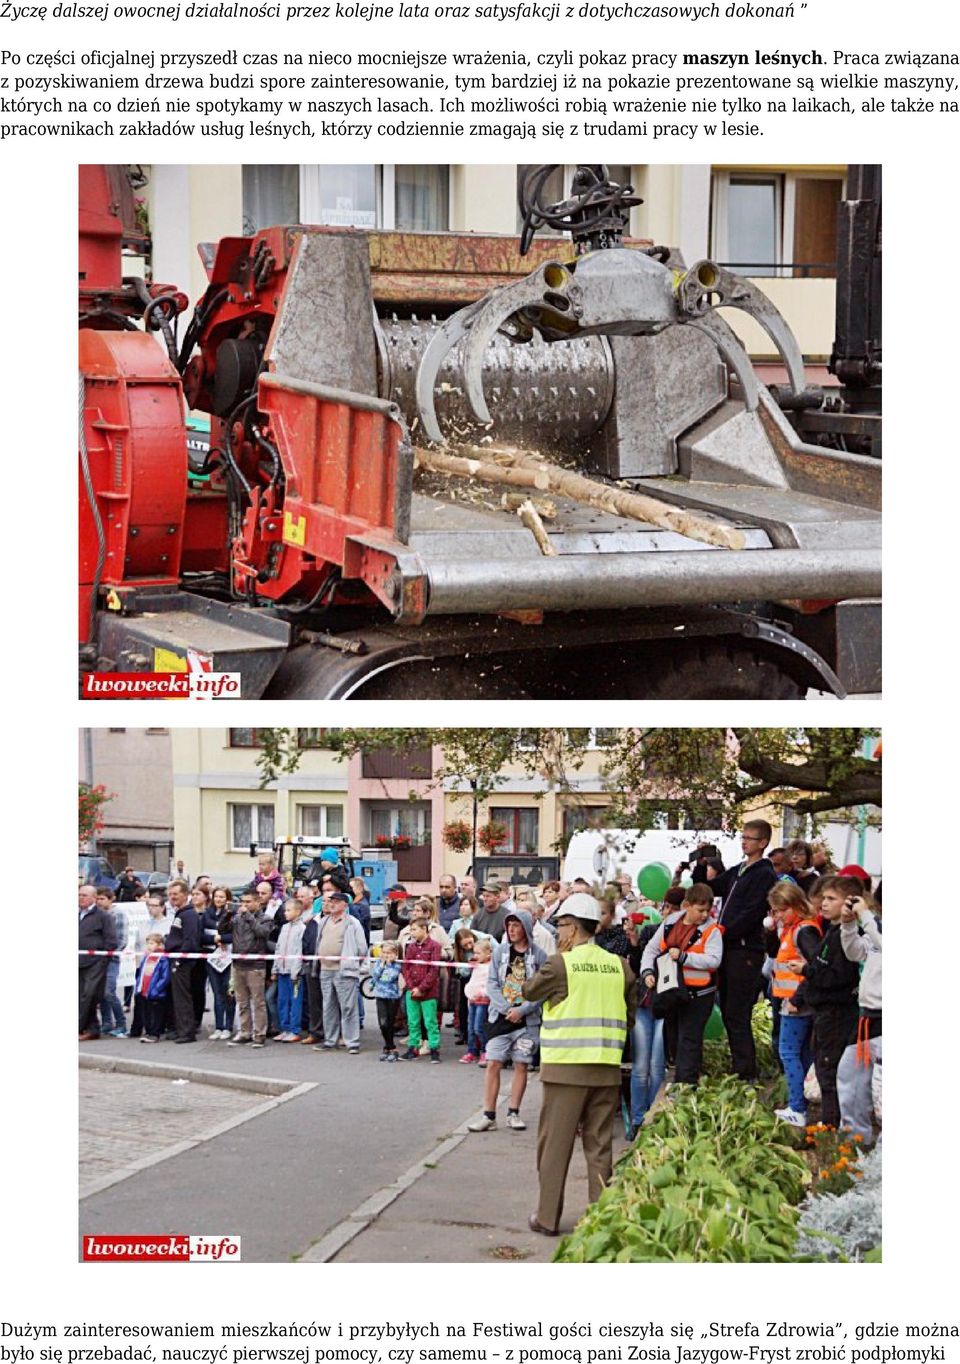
(824, 1174)
(857, 1137)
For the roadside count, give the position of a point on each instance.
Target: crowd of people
(597, 988)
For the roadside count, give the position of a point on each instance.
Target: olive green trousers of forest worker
(564, 1109)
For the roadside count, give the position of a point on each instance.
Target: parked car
(96, 871)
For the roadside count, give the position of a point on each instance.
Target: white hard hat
(580, 906)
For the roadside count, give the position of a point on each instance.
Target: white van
(601, 855)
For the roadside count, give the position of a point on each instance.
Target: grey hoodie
(862, 941)
(500, 965)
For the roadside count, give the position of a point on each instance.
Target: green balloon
(654, 880)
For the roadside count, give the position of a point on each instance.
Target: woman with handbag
(679, 967)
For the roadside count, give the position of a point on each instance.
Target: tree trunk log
(482, 470)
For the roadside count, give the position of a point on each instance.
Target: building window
(420, 196)
(245, 738)
(595, 738)
(416, 764)
(401, 198)
(411, 820)
(781, 224)
(340, 196)
(522, 826)
(577, 817)
(321, 821)
(251, 824)
(557, 187)
(315, 738)
(271, 197)
(158, 731)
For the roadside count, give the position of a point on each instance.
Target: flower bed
(846, 1226)
(712, 1178)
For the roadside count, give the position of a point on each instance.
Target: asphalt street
(286, 1178)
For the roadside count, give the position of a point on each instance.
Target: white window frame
(720, 213)
(325, 808)
(385, 185)
(785, 208)
(254, 807)
(593, 745)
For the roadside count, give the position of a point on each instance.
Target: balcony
(413, 864)
(384, 764)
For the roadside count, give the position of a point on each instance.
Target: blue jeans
(288, 1003)
(648, 1064)
(224, 1007)
(477, 1028)
(111, 1010)
(796, 1053)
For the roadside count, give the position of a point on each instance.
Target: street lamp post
(473, 848)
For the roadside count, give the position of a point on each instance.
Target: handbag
(670, 990)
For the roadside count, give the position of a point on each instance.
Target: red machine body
(136, 454)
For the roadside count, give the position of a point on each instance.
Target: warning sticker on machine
(294, 531)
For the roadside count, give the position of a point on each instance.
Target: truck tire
(719, 673)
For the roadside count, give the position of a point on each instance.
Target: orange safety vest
(785, 978)
(696, 976)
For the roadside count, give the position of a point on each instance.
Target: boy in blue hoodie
(386, 974)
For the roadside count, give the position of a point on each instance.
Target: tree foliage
(713, 775)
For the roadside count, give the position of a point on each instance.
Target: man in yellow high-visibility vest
(588, 997)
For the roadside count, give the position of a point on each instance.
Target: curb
(330, 1245)
(166, 1070)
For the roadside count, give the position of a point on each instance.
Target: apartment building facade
(395, 804)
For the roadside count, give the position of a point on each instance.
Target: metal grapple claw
(728, 344)
(706, 286)
(441, 344)
(611, 292)
(516, 309)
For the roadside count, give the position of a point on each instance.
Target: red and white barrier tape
(258, 956)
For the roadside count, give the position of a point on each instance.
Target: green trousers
(425, 1010)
